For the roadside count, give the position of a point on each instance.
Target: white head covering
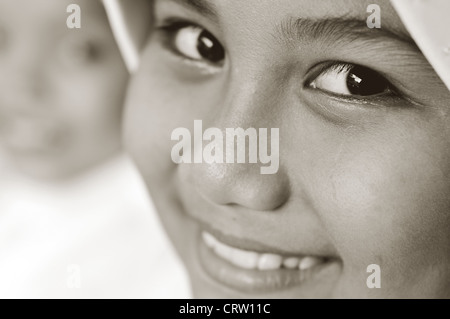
(428, 23)
(426, 20)
(126, 26)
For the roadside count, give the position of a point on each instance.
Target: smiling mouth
(261, 272)
(262, 261)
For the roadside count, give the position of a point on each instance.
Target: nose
(237, 184)
(241, 184)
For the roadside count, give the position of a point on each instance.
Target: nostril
(266, 194)
(236, 185)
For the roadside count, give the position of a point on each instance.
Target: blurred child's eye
(78, 52)
(3, 38)
(195, 43)
(85, 52)
(352, 80)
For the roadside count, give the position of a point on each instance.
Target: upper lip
(248, 237)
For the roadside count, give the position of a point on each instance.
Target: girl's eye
(197, 44)
(348, 79)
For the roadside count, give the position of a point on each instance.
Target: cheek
(148, 124)
(384, 192)
(158, 102)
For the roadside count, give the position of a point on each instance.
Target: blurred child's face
(364, 148)
(61, 89)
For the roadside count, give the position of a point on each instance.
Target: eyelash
(393, 94)
(173, 25)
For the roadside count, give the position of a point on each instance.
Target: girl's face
(61, 89)
(364, 149)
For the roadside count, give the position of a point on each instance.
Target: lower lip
(257, 281)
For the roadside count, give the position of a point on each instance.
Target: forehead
(258, 14)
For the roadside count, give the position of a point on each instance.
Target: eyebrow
(339, 28)
(332, 29)
(203, 7)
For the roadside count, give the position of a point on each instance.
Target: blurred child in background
(74, 220)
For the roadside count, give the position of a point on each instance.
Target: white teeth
(244, 259)
(269, 262)
(222, 250)
(253, 260)
(291, 262)
(309, 262)
(208, 239)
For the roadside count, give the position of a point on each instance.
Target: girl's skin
(62, 89)
(364, 172)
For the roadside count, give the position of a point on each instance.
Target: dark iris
(364, 82)
(209, 48)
